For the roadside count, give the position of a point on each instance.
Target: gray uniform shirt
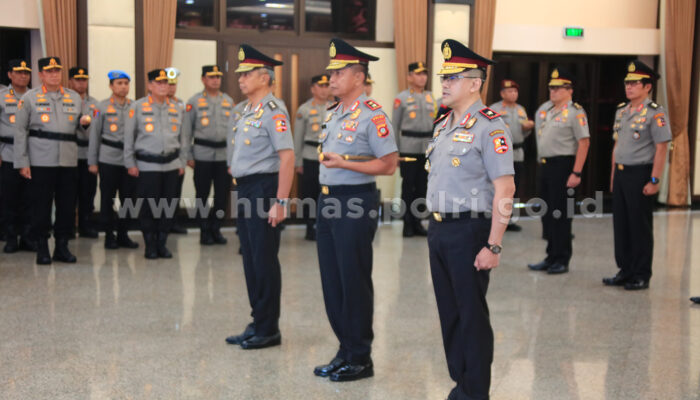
(307, 129)
(514, 116)
(560, 130)
(108, 124)
(413, 112)
(89, 105)
(362, 129)
(153, 128)
(638, 131)
(57, 112)
(237, 113)
(260, 133)
(466, 155)
(210, 119)
(9, 101)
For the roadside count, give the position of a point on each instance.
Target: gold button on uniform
(247, 142)
(324, 190)
(620, 167)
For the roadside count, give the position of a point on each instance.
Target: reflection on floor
(116, 326)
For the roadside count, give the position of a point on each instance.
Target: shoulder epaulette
(653, 105)
(621, 105)
(272, 105)
(577, 106)
(332, 106)
(372, 105)
(489, 113)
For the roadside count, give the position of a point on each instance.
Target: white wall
(451, 22)
(385, 21)
(19, 14)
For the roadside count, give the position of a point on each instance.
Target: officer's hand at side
(650, 189)
(229, 171)
(180, 171)
(85, 120)
(332, 160)
(299, 170)
(93, 169)
(277, 214)
(190, 163)
(573, 181)
(26, 172)
(133, 171)
(486, 260)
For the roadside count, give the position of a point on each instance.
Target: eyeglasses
(453, 78)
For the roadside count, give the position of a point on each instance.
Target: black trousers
(49, 185)
(14, 201)
(260, 243)
(310, 188)
(157, 188)
(87, 187)
(633, 222)
(344, 243)
(460, 292)
(113, 179)
(206, 174)
(556, 222)
(414, 184)
(519, 167)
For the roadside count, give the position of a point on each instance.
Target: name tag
(254, 123)
(464, 137)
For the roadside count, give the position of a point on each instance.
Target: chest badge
(412, 115)
(205, 121)
(636, 135)
(113, 128)
(470, 123)
(45, 118)
(355, 114)
(456, 162)
(149, 128)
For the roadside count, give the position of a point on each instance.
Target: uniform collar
(114, 102)
(167, 100)
(464, 118)
(60, 89)
(205, 94)
(353, 105)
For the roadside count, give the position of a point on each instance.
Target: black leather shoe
(514, 227)
(111, 241)
(87, 233)
(205, 238)
(42, 252)
(352, 372)
(151, 240)
(218, 237)
(418, 229)
(261, 342)
(637, 284)
(25, 244)
(617, 280)
(163, 251)
(540, 266)
(695, 300)
(327, 369)
(11, 245)
(178, 230)
(248, 333)
(61, 252)
(124, 241)
(557, 268)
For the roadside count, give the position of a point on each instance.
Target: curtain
(680, 28)
(61, 32)
(158, 33)
(410, 36)
(482, 40)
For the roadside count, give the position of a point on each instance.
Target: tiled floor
(115, 326)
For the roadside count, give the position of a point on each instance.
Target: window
(352, 17)
(275, 15)
(195, 13)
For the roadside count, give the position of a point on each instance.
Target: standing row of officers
(465, 164)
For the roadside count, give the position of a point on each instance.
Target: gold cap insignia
(216, 68)
(162, 74)
(507, 84)
(53, 62)
(631, 67)
(23, 64)
(241, 54)
(80, 71)
(447, 51)
(555, 73)
(332, 51)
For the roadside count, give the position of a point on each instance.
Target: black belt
(545, 160)
(82, 142)
(7, 139)
(622, 167)
(252, 178)
(311, 143)
(157, 158)
(66, 137)
(210, 143)
(517, 146)
(416, 134)
(113, 143)
(342, 190)
(447, 217)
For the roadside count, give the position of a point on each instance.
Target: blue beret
(117, 74)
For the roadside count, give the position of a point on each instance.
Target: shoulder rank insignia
(442, 117)
(577, 106)
(653, 105)
(332, 106)
(272, 105)
(372, 105)
(489, 113)
(621, 105)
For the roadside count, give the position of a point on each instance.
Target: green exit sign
(573, 32)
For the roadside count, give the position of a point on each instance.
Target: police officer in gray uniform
(641, 136)
(562, 147)
(46, 152)
(14, 199)
(358, 143)
(414, 113)
(470, 194)
(210, 114)
(307, 128)
(263, 169)
(155, 151)
(519, 126)
(106, 157)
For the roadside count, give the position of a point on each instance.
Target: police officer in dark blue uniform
(358, 143)
(470, 175)
(262, 166)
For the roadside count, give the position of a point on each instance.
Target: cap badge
(631, 67)
(53, 62)
(241, 54)
(555, 73)
(332, 51)
(447, 51)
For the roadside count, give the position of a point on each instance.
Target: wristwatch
(282, 202)
(494, 248)
(654, 180)
(578, 174)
